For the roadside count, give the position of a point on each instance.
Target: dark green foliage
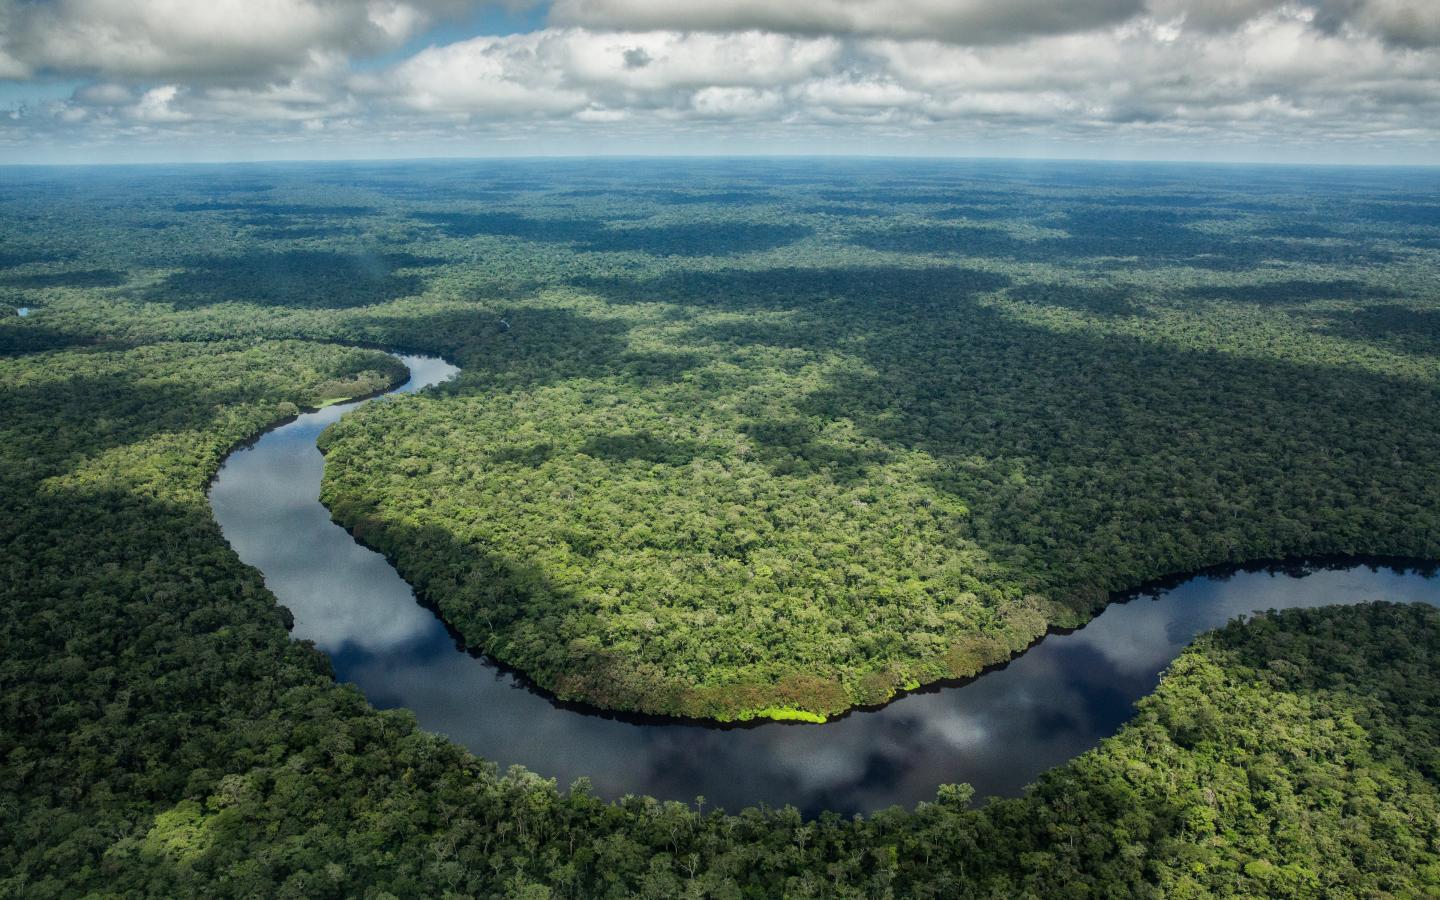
(721, 456)
(1141, 239)
(296, 278)
(1290, 292)
(92, 278)
(12, 256)
(1401, 213)
(691, 239)
(1410, 329)
(712, 470)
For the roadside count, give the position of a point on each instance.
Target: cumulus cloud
(977, 22)
(562, 71)
(1279, 72)
(735, 102)
(1276, 73)
(214, 39)
(1409, 23)
(1184, 73)
(965, 21)
(519, 75)
(1405, 23)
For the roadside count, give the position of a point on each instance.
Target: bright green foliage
(731, 451)
(722, 445)
(782, 714)
(717, 485)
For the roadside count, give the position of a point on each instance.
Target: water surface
(998, 732)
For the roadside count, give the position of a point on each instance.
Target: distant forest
(732, 439)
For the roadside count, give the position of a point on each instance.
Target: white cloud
(573, 71)
(735, 102)
(1274, 69)
(667, 60)
(521, 75)
(1408, 23)
(1185, 73)
(965, 21)
(157, 105)
(877, 90)
(1411, 23)
(210, 40)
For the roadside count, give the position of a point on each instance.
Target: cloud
(1276, 68)
(102, 94)
(1211, 14)
(1407, 23)
(210, 40)
(157, 105)
(564, 71)
(1187, 74)
(692, 60)
(735, 102)
(961, 21)
(1151, 79)
(1402, 23)
(522, 75)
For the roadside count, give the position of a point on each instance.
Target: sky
(1325, 81)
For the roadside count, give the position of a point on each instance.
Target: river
(997, 732)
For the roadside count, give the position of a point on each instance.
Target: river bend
(998, 732)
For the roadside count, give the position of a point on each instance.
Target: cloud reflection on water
(998, 733)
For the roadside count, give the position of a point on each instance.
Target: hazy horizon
(701, 157)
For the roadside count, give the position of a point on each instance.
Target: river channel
(997, 732)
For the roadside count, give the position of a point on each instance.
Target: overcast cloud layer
(1353, 80)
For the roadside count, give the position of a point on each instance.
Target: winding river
(997, 732)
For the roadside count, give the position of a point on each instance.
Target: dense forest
(732, 439)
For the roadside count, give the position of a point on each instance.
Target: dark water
(997, 733)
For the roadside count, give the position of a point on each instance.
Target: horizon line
(854, 157)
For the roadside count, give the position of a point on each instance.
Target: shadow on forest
(1413, 330)
(794, 447)
(285, 230)
(1104, 300)
(652, 367)
(492, 593)
(719, 198)
(541, 345)
(677, 196)
(1396, 213)
(1289, 292)
(1297, 229)
(304, 278)
(25, 335)
(846, 212)
(685, 239)
(1144, 238)
(135, 409)
(641, 445)
(530, 455)
(1160, 200)
(272, 210)
(797, 289)
(986, 213)
(1096, 420)
(10, 257)
(906, 198)
(93, 278)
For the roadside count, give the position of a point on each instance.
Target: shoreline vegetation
(726, 442)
